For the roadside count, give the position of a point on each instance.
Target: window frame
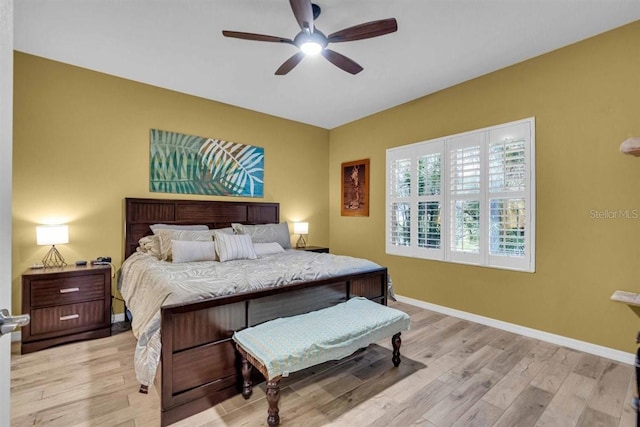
(523, 195)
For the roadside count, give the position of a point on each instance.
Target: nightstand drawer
(48, 292)
(66, 317)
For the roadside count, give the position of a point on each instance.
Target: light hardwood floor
(453, 373)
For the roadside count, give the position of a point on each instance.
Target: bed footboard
(200, 366)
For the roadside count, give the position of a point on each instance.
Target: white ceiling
(178, 45)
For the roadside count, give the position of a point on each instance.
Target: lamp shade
(52, 234)
(631, 146)
(300, 228)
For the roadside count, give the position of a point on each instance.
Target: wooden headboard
(141, 213)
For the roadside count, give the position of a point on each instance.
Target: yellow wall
(81, 145)
(586, 101)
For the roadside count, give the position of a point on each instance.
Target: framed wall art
(354, 183)
(190, 164)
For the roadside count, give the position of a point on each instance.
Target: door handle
(9, 323)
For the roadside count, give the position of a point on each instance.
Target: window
(467, 198)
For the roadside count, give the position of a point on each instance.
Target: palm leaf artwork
(240, 168)
(189, 164)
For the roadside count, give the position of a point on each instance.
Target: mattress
(147, 284)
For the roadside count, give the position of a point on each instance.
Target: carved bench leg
(396, 342)
(273, 398)
(247, 386)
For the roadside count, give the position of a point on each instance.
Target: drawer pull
(69, 317)
(67, 290)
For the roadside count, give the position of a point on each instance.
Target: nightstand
(319, 249)
(65, 304)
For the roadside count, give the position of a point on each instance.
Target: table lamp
(301, 228)
(52, 235)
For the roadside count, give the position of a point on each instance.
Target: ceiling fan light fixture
(311, 44)
(311, 41)
(311, 47)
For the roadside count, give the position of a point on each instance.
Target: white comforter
(147, 284)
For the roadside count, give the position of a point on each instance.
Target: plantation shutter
(399, 190)
(465, 198)
(509, 197)
(428, 200)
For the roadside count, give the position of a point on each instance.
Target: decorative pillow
(263, 249)
(149, 245)
(191, 251)
(156, 227)
(166, 236)
(226, 230)
(232, 246)
(266, 233)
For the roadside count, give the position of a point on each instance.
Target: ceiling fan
(311, 41)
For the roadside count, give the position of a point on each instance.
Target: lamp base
(53, 258)
(301, 243)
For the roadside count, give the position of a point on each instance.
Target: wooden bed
(200, 366)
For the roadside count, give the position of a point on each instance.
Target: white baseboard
(17, 335)
(598, 350)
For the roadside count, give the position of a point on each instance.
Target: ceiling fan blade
(303, 12)
(341, 61)
(257, 37)
(364, 31)
(289, 64)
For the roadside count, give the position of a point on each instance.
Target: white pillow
(150, 245)
(191, 251)
(266, 233)
(226, 230)
(231, 246)
(263, 249)
(166, 236)
(156, 227)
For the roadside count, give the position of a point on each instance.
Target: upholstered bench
(285, 345)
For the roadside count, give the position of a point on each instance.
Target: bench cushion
(294, 343)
